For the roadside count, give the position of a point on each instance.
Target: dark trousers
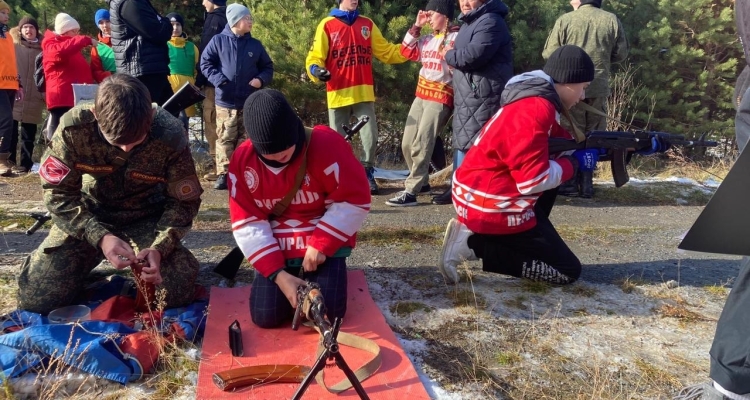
(539, 254)
(269, 307)
(55, 114)
(730, 351)
(742, 122)
(158, 86)
(28, 135)
(7, 98)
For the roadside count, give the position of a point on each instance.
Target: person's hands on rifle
(152, 272)
(321, 73)
(658, 145)
(313, 258)
(117, 251)
(288, 284)
(585, 159)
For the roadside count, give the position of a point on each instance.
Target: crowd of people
(297, 195)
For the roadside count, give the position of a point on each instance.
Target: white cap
(65, 23)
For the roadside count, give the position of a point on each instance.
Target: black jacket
(139, 38)
(483, 62)
(216, 20)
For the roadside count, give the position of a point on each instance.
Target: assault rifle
(618, 147)
(311, 304)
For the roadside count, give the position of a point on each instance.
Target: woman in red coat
(64, 65)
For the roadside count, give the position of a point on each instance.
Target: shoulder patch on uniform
(53, 171)
(185, 189)
(76, 116)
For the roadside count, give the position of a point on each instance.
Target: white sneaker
(455, 249)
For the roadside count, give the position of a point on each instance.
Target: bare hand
(94, 42)
(313, 258)
(19, 94)
(256, 83)
(288, 284)
(423, 17)
(117, 251)
(152, 272)
(446, 49)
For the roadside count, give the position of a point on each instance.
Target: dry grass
(403, 308)
(389, 236)
(680, 312)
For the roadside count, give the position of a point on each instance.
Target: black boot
(569, 188)
(370, 172)
(443, 198)
(587, 184)
(221, 182)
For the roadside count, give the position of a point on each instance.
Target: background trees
(685, 52)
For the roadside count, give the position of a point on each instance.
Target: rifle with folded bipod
(618, 147)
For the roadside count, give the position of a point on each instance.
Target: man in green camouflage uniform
(601, 36)
(120, 183)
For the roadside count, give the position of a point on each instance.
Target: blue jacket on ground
(231, 62)
(483, 62)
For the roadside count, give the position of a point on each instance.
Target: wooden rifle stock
(259, 374)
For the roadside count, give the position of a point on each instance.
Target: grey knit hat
(235, 12)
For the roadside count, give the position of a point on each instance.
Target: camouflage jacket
(599, 33)
(92, 187)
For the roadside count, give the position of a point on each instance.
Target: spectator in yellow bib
(341, 56)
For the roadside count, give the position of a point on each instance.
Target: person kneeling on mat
(506, 186)
(290, 213)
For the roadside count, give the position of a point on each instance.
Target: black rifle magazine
(235, 339)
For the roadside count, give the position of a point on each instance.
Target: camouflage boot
(5, 165)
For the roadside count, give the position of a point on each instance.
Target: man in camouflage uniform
(601, 36)
(120, 183)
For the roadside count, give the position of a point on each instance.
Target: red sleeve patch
(53, 170)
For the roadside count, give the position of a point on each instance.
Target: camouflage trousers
(230, 132)
(337, 117)
(54, 274)
(209, 118)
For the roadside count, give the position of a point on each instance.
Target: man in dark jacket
(482, 56)
(237, 65)
(216, 20)
(139, 40)
(601, 35)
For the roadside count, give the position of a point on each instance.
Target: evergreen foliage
(685, 52)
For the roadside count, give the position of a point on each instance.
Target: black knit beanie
(271, 123)
(570, 64)
(445, 7)
(595, 3)
(174, 17)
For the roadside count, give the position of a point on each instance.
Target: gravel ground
(638, 324)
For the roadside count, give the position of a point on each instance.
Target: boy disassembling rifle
(506, 186)
(290, 210)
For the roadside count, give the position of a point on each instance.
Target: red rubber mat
(396, 378)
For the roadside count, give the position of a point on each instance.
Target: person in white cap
(64, 65)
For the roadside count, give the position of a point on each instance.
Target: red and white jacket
(435, 76)
(504, 173)
(326, 213)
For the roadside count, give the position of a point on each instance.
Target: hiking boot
(455, 250)
(211, 176)
(443, 198)
(403, 199)
(569, 188)
(6, 165)
(19, 169)
(701, 391)
(587, 184)
(425, 189)
(370, 172)
(221, 182)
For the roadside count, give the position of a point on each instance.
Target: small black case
(235, 339)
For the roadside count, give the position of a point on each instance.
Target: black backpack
(39, 74)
